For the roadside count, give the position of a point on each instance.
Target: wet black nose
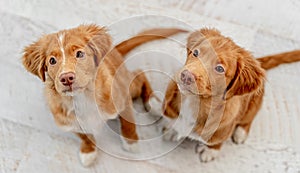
(67, 78)
(187, 77)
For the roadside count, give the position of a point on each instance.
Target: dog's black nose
(67, 78)
(187, 77)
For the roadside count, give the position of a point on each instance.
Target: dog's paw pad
(239, 135)
(208, 154)
(89, 158)
(170, 135)
(131, 147)
(154, 106)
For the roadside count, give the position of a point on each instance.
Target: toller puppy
(218, 92)
(87, 83)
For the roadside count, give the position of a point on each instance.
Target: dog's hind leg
(140, 87)
(172, 101)
(242, 129)
(129, 134)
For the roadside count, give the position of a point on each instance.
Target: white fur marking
(88, 158)
(170, 135)
(134, 147)
(207, 154)
(87, 113)
(113, 116)
(66, 128)
(88, 117)
(60, 42)
(154, 106)
(239, 135)
(184, 124)
(196, 137)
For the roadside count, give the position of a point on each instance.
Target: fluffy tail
(272, 61)
(146, 36)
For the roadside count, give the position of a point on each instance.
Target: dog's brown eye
(196, 53)
(79, 54)
(219, 69)
(52, 61)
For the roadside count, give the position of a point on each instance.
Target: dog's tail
(272, 61)
(146, 36)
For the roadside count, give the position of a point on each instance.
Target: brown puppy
(86, 82)
(218, 92)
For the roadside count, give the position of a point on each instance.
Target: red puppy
(218, 92)
(86, 82)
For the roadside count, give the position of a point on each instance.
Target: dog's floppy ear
(98, 40)
(34, 58)
(249, 77)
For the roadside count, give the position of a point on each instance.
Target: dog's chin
(186, 90)
(72, 91)
(190, 90)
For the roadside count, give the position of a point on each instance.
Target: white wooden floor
(31, 143)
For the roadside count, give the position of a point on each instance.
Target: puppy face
(216, 66)
(69, 58)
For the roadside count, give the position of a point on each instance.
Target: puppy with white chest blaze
(79, 68)
(228, 83)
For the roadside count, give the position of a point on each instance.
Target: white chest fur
(84, 106)
(88, 117)
(185, 123)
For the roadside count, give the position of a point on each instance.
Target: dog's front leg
(88, 149)
(67, 122)
(207, 153)
(63, 119)
(168, 132)
(171, 109)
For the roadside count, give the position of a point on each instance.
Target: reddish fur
(272, 61)
(146, 36)
(104, 84)
(238, 99)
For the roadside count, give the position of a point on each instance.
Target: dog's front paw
(206, 154)
(153, 106)
(88, 158)
(132, 147)
(170, 135)
(239, 136)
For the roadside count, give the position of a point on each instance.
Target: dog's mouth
(185, 89)
(71, 90)
(190, 89)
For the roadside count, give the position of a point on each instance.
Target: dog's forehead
(67, 36)
(216, 51)
(206, 48)
(66, 39)
(222, 46)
